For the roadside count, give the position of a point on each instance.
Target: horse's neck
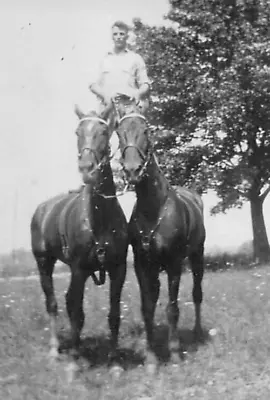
(152, 191)
(105, 184)
(97, 207)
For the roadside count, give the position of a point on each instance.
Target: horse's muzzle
(101, 255)
(133, 175)
(88, 172)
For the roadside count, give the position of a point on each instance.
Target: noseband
(145, 157)
(104, 159)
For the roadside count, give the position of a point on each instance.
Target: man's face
(119, 37)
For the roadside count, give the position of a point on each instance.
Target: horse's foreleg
(149, 288)
(45, 267)
(117, 278)
(74, 303)
(197, 266)
(174, 274)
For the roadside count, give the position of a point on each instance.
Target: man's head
(120, 35)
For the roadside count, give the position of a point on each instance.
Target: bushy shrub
(223, 260)
(21, 262)
(219, 260)
(226, 261)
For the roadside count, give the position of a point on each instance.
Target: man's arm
(97, 87)
(144, 90)
(142, 79)
(98, 90)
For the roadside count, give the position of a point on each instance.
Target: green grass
(233, 364)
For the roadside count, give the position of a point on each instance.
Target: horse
(165, 227)
(88, 231)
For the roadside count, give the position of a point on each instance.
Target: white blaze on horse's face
(134, 146)
(93, 145)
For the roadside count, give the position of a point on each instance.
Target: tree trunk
(260, 240)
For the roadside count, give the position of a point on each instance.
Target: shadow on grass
(188, 343)
(96, 349)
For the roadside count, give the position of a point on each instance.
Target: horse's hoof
(53, 354)
(175, 359)
(198, 334)
(116, 371)
(151, 369)
(72, 371)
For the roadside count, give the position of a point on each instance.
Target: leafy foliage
(210, 68)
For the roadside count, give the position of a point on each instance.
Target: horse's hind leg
(197, 266)
(45, 267)
(174, 275)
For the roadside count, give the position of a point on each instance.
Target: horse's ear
(78, 112)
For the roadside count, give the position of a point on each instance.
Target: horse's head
(93, 144)
(134, 145)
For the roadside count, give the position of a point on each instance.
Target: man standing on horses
(122, 74)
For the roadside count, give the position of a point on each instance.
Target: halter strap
(94, 119)
(132, 115)
(145, 157)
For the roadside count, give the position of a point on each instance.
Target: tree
(210, 71)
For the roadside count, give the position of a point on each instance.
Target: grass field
(233, 363)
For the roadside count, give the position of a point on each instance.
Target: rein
(100, 250)
(100, 164)
(146, 238)
(104, 160)
(114, 196)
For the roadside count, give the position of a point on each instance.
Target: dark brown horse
(86, 230)
(164, 229)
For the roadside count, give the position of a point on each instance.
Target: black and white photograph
(135, 200)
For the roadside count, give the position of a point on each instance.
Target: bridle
(104, 159)
(145, 157)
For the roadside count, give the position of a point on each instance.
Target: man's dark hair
(121, 25)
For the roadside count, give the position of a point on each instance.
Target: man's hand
(106, 99)
(122, 96)
(137, 97)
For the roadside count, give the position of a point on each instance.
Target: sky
(50, 52)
